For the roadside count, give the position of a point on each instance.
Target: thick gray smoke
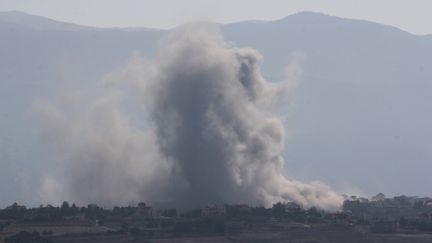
(205, 135)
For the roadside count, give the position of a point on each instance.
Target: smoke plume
(205, 133)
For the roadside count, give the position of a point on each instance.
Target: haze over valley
(358, 118)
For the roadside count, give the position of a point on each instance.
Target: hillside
(362, 106)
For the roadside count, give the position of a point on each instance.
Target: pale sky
(411, 15)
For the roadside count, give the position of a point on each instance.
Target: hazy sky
(413, 15)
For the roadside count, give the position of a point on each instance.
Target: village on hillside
(378, 219)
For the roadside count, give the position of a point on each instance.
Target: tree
(313, 215)
(278, 210)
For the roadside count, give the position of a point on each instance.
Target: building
(144, 211)
(292, 207)
(213, 210)
(243, 209)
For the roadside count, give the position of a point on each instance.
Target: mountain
(359, 119)
(360, 114)
(17, 19)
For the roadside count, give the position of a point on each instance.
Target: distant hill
(17, 19)
(360, 115)
(360, 119)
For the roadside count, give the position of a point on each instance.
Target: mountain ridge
(13, 16)
(30, 21)
(361, 108)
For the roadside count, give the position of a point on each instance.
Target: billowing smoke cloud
(205, 133)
